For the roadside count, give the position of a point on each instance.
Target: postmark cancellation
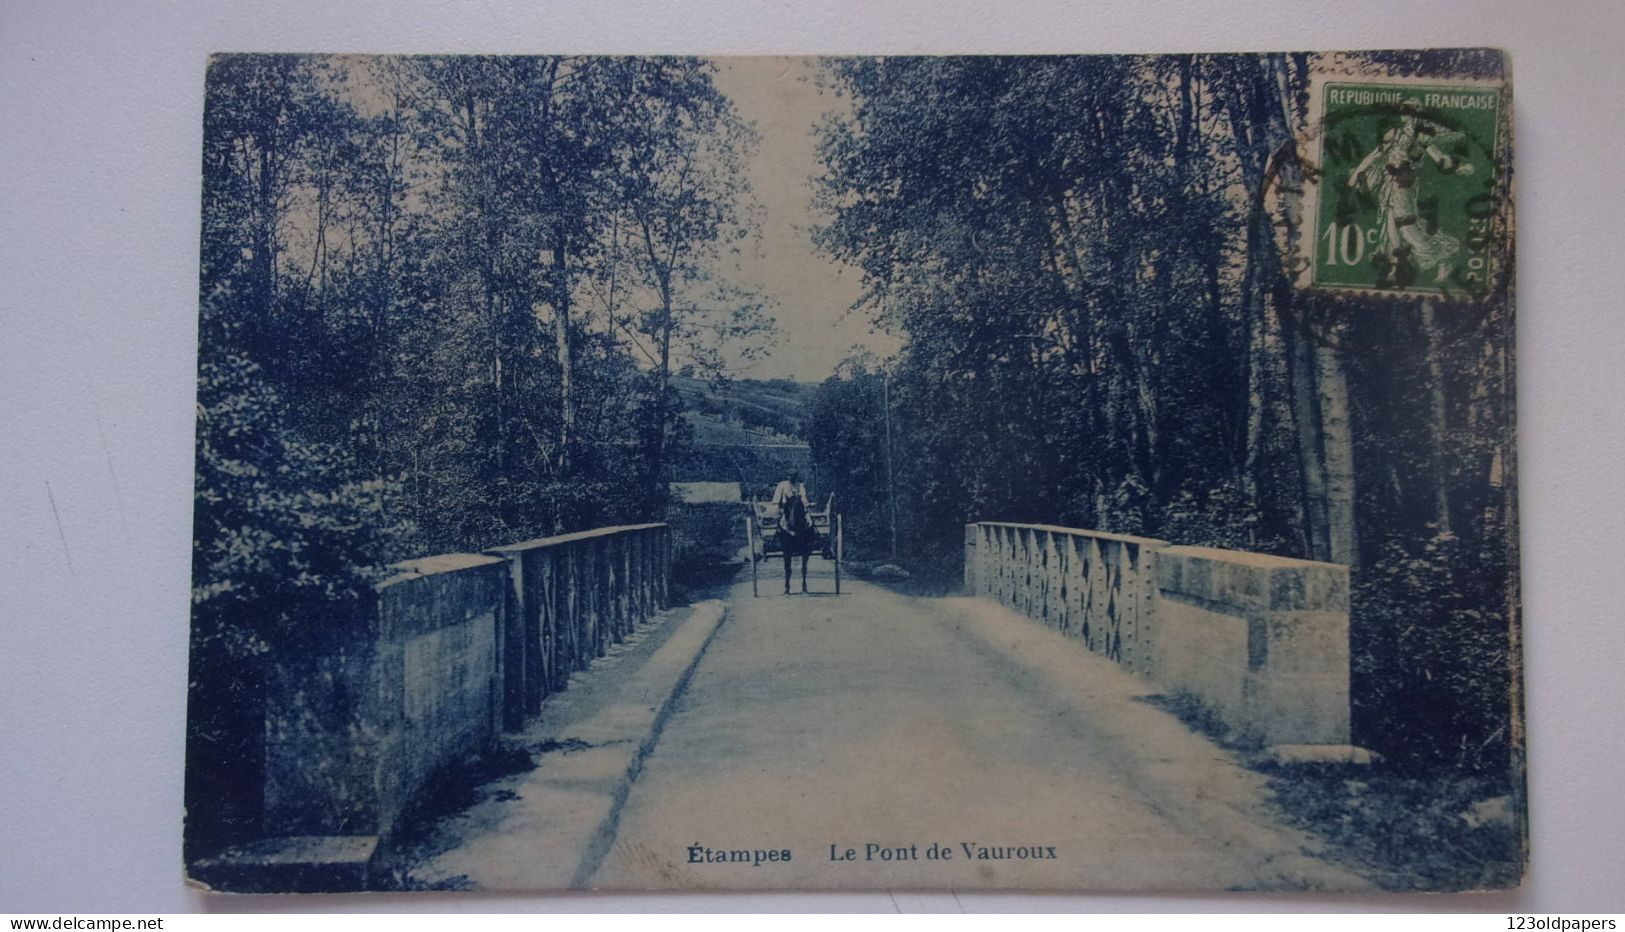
(1406, 189)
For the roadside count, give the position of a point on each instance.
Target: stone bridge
(869, 739)
(1263, 641)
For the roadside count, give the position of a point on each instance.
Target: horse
(796, 537)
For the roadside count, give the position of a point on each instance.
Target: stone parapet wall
(1087, 584)
(361, 711)
(366, 708)
(1264, 640)
(573, 596)
(1260, 640)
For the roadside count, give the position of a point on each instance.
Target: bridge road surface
(870, 720)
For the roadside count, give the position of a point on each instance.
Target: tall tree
(684, 188)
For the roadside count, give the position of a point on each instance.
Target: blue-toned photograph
(1074, 473)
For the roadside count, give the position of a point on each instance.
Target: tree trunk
(1306, 417)
(1254, 142)
(663, 389)
(1436, 409)
(1320, 386)
(265, 233)
(1253, 442)
(561, 333)
(1337, 438)
(1335, 431)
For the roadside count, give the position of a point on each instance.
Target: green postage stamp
(1409, 193)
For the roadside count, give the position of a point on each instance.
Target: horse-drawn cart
(767, 535)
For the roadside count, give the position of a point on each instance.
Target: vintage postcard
(927, 472)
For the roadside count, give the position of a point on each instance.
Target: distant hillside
(745, 430)
(745, 410)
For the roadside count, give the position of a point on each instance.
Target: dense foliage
(442, 299)
(1089, 259)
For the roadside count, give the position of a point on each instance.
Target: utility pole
(891, 477)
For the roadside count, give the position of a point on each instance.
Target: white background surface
(100, 122)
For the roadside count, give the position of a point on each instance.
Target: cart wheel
(837, 552)
(750, 540)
